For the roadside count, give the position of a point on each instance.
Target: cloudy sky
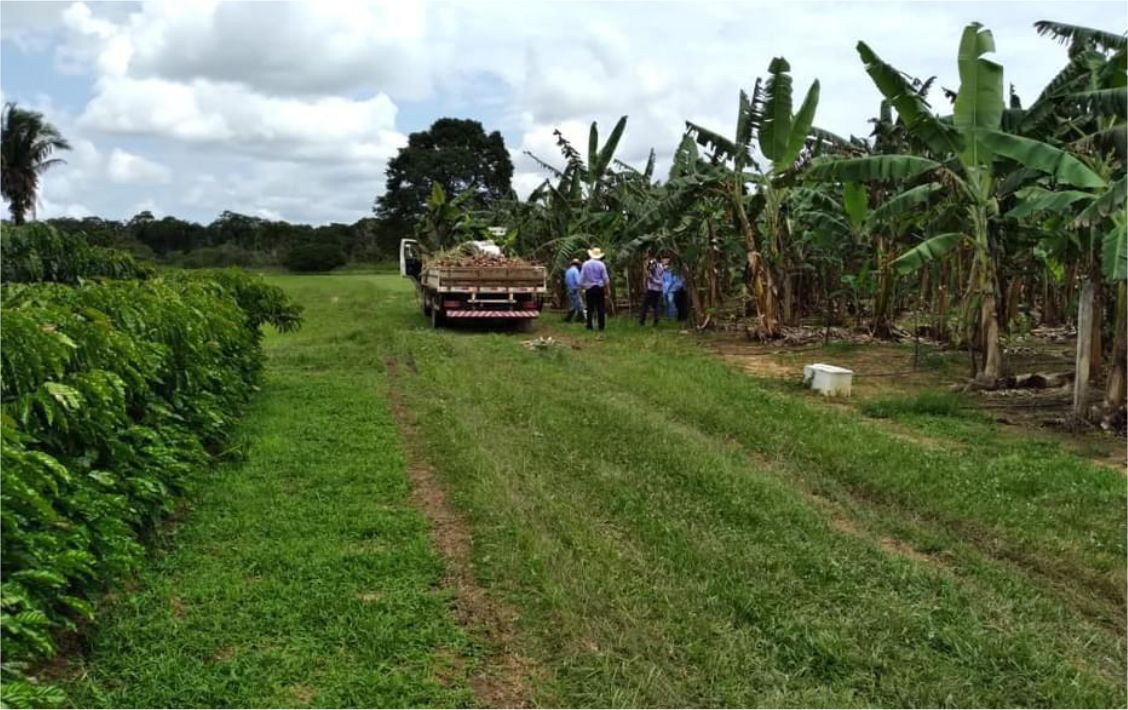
(291, 110)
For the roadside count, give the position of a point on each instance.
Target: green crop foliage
(39, 252)
(111, 393)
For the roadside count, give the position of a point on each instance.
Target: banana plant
(781, 136)
(968, 151)
(584, 204)
(444, 219)
(871, 217)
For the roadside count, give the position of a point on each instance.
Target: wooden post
(1084, 348)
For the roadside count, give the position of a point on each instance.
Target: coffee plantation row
(118, 383)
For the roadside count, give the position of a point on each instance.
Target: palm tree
(26, 144)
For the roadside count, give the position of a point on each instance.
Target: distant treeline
(235, 239)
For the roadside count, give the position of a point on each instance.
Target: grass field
(665, 529)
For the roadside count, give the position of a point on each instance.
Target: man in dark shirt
(655, 273)
(594, 280)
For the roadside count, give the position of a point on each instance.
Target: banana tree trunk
(788, 300)
(1116, 391)
(1096, 342)
(881, 326)
(713, 297)
(696, 312)
(987, 285)
(989, 325)
(1014, 292)
(760, 276)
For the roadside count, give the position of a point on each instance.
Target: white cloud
(126, 168)
(328, 128)
(294, 108)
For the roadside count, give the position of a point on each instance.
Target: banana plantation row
(983, 218)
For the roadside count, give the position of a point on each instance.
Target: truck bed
(455, 277)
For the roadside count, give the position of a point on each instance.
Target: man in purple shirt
(655, 274)
(594, 282)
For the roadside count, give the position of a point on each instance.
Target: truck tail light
(452, 304)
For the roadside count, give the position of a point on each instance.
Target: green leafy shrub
(313, 256)
(111, 395)
(40, 252)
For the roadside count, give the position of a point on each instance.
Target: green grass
(670, 531)
(302, 575)
(930, 403)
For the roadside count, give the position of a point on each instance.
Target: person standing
(673, 291)
(653, 297)
(572, 286)
(594, 281)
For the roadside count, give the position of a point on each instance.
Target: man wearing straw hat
(594, 282)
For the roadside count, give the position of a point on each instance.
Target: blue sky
(291, 110)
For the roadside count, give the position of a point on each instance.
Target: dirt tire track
(504, 679)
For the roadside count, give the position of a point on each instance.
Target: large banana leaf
(874, 167)
(905, 202)
(775, 128)
(593, 145)
(685, 158)
(1036, 199)
(1115, 136)
(940, 137)
(1081, 35)
(801, 126)
(1114, 73)
(648, 171)
(603, 159)
(855, 202)
(927, 251)
(1109, 201)
(1070, 78)
(747, 116)
(1041, 156)
(547, 166)
(979, 103)
(1103, 102)
(821, 137)
(1114, 251)
(830, 224)
(722, 147)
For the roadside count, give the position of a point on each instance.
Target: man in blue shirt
(594, 280)
(572, 286)
(673, 291)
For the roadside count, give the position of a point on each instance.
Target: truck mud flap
(492, 314)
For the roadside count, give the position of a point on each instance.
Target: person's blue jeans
(575, 305)
(671, 305)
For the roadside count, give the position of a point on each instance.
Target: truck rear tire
(525, 326)
(426, 305)
(437, 318)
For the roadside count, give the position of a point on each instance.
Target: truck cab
(411, 259)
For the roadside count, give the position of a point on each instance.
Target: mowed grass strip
(649, 510)
(301, 576)
(670, 532)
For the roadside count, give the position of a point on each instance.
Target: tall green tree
(27, 144)
(454, 153)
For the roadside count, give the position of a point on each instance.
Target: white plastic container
(830, 380)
